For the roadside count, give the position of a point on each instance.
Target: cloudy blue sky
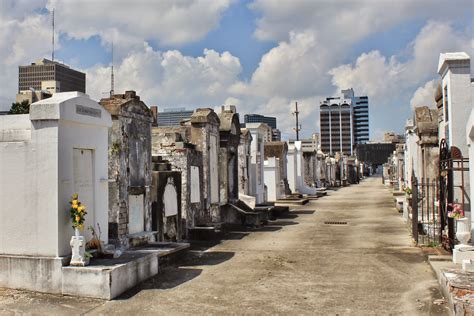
(260, 55)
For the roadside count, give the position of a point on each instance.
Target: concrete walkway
(295, 265)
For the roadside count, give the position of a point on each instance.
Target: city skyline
(253, 54)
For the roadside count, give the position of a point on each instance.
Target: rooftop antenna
(52, 54)
(298, 126)
(112, 73)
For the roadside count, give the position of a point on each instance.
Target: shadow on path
(174, 275)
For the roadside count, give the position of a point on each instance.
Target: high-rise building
(344, 122)
(257, 118)
(269, 120)
(60, 78)
(276, 135)
(361, 119)
(336, 125)
(173, 117)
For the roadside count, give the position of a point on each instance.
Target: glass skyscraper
(257, 118)
(173, 117)
(361, 119)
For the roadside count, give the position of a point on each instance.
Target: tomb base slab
(34, 273)
(463, 252)
(468, 265)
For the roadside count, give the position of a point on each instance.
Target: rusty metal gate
(451, 165)
(425, 215)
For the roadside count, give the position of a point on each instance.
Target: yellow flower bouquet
(78, 212)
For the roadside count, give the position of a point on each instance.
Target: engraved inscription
(85, 110)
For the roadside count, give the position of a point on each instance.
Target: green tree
(22, 107)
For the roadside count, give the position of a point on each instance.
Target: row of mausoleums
(142, 185)
(432, 173)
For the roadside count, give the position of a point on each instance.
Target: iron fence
(425, 212)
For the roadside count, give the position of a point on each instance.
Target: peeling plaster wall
(204, 134)
(168, 142)
(166, 206)
(309, 159)
(228, 157)
(244, 162)
(129, 164)
(320, 170)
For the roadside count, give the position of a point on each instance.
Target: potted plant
(95, 246)
(463, 232)
(408, 195)
(78, 213)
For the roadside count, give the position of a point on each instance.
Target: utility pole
(112, 73)
(298, 127)
(52, 39)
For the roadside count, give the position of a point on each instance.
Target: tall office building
(276, 135)
(344, 122)
(60, 77)
(257, 118)
(269, 120)
(173, 117)
(361, 120)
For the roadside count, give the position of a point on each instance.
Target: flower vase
(463, 232)
(78, 247)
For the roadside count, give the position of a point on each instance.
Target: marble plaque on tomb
(85, 110)
(136, 214)
(195, 187)
(170, 198)
(213, 165)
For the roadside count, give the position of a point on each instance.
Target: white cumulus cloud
(424, 96)
(387, 78)
(169, 78)
(130, 22)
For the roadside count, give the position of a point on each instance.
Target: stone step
(143, 238)
(201, 233)
(289, 202)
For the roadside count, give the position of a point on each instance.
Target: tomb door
(136, 216)
(195, 185)
(232, 177)
(170, 198)
(83, 185)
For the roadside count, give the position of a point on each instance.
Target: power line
(112, 73)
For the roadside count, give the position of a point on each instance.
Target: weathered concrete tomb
(193, 148)
(129, 169)
(352, 170)
(166, 201)
(204, 134)
(296, 170)
(229, 130)
(426, 122)
(172, 144)
(275, 154)
(259, 133)
(59, 149)
(320, 169)
(244, 161)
